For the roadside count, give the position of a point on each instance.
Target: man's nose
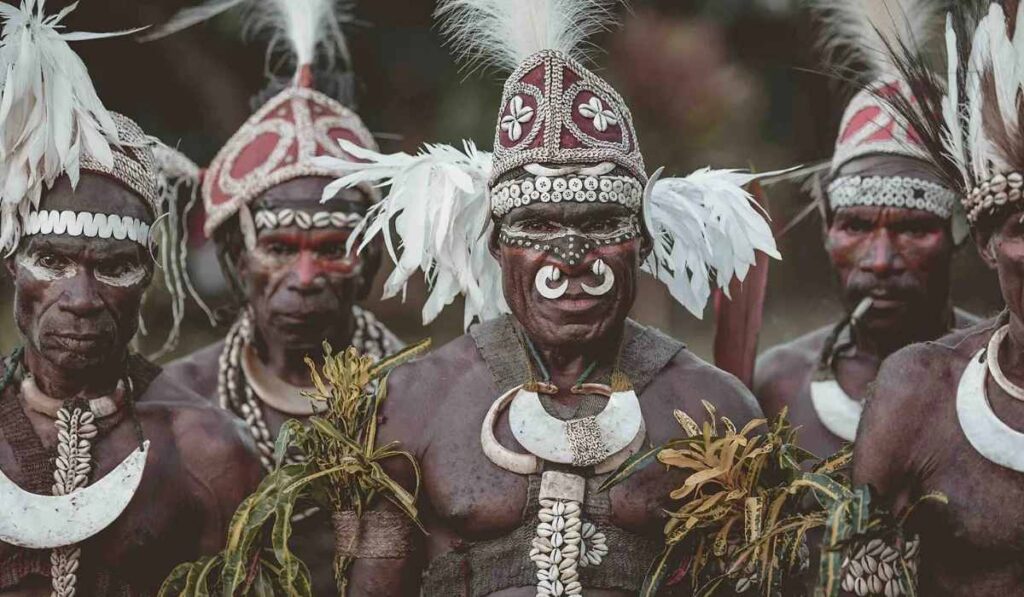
(307, 278)
(81, 296)
(881, 257)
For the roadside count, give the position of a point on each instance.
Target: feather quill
(502, 34)
(863, 30)
(50, 114)
(436, 220)
(704, 225)
(307, 28)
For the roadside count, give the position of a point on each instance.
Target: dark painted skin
(301, 285)
(76, 331)
(910, 443)
(465, 497)
(901, 258)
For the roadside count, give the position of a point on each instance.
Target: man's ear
(371, 257)
(986, 242)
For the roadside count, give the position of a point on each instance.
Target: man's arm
(398, 574)
(222, 465)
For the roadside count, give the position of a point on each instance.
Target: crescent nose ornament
(608, 279)
(552, 273)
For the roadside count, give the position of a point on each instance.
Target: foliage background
(731, 83)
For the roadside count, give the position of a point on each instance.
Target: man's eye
(538, 225)
(279, 249)
(333, 250)
(856, 226)
(115, 268)
(605, 225)
(51, 261)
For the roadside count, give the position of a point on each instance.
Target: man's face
(1003, 250)
(77, 299)
(302, 283)
(570, 237)
(899, 257)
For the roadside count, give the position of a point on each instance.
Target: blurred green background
(727, 83)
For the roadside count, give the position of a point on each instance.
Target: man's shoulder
(688, 379)
(798, 353)
(198, 370)
(781, 369)
(197, 425)
(440, 369)
(923, 373)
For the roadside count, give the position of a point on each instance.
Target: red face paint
(899, 257)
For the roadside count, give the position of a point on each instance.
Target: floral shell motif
(276, 145)
(555, 111)
(870, 127)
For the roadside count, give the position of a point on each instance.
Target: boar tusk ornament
(552, 274)
(601, 268)
(48, 522)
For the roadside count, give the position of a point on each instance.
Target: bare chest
(474, 499)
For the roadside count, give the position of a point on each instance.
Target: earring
(600, 268)
(553, 274)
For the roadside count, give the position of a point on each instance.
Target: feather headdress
(503, 35)
(51, 119)
(443, 203)
(862, 31)
(969, 115)
(309, 29)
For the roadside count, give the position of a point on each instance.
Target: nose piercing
(553, 274)
(600, 268)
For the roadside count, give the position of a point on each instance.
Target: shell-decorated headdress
(279, 142)
(563, 135)
(863, 31)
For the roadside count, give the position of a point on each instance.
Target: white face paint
(50, 268)
(125, 276)
(44, 268)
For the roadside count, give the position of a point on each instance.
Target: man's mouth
(79, 341)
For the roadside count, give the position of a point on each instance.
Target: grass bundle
(341, 471)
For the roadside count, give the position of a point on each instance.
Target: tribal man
(110, 472)
(285, 254)
(946, 416)
(555, 386)
(891, 230)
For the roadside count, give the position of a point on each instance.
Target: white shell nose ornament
(553, 274)
(608, 279)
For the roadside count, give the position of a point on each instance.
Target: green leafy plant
(747, 506)
(341, 471)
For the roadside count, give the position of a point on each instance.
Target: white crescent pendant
(530, 464)
(839, 413)
(47, 522)
(992, 438)
(580, 442)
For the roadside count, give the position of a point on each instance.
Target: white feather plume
(440, 214)
(863, 29)
(993, 54)
(306, 27)
(50, 115)
(504, 33)
(704, 225)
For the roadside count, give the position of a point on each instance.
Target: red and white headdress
(279, 142)
(563, 135)
(866, 30)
